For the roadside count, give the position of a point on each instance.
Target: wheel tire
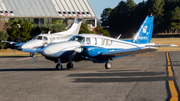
(32, 55)
(69, 65)
(58, 67)
(108, 65)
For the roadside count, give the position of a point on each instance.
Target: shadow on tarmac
(34, 69)
(112, 77)
(13, 56)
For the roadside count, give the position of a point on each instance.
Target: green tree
(56, 27)
(131, 5)
(3, 27)
(84, 29)
(175, 18)
(104, 16)
(121, 18)
(20, 31)
(3, 37)
(140, 12)
(35, 30)
(100, 31)
(156, 7)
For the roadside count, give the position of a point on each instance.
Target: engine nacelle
(91, 51)
(57, 49)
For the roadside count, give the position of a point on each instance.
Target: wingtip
(173, 45)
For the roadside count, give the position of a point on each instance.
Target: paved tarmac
(143, 77)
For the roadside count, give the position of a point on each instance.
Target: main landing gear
(108, 65)
(69, 65)
(59, 66)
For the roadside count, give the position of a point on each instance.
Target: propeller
(78, 50)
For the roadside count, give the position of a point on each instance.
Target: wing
(129, 51)
(10, 42)
(13, 43)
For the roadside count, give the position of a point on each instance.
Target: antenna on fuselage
(49, 32)
(118, 37)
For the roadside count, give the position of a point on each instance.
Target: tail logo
(145, 29)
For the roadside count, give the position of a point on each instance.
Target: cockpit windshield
(41, 38)
(78, 38)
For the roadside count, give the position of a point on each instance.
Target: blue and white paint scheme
(100, 49)
(38, 42)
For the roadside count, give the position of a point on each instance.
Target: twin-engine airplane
(42, 40)
(100, 49)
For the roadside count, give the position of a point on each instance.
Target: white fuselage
(92, 40)
(43, 40)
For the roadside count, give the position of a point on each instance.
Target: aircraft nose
(26, 45)
(33, 44)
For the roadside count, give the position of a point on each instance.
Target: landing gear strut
(32, 55)
(59, 66)
(69, 65)
(108, 65)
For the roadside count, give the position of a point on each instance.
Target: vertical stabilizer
(74, 29)
(144, 34)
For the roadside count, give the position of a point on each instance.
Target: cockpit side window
(78, 38)
(45, 38)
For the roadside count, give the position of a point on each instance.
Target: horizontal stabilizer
(160, 45)
(10, 42)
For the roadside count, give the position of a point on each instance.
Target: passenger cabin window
(88, 42)
(99, 42)
(45, 38)
(108, 42)
(93, 41)
(78, 38)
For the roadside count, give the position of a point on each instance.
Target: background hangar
(46, 11)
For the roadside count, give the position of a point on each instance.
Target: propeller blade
(78, 50)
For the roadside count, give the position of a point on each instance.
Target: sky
(99, 5)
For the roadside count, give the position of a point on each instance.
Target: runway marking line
(172, 88)
(23, 59)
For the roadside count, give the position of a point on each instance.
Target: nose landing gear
(32, 55)
(59, 66)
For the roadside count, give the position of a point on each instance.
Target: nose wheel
(32, 55)
(58, 67)
(69, 65)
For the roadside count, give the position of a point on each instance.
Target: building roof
(47, 8)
